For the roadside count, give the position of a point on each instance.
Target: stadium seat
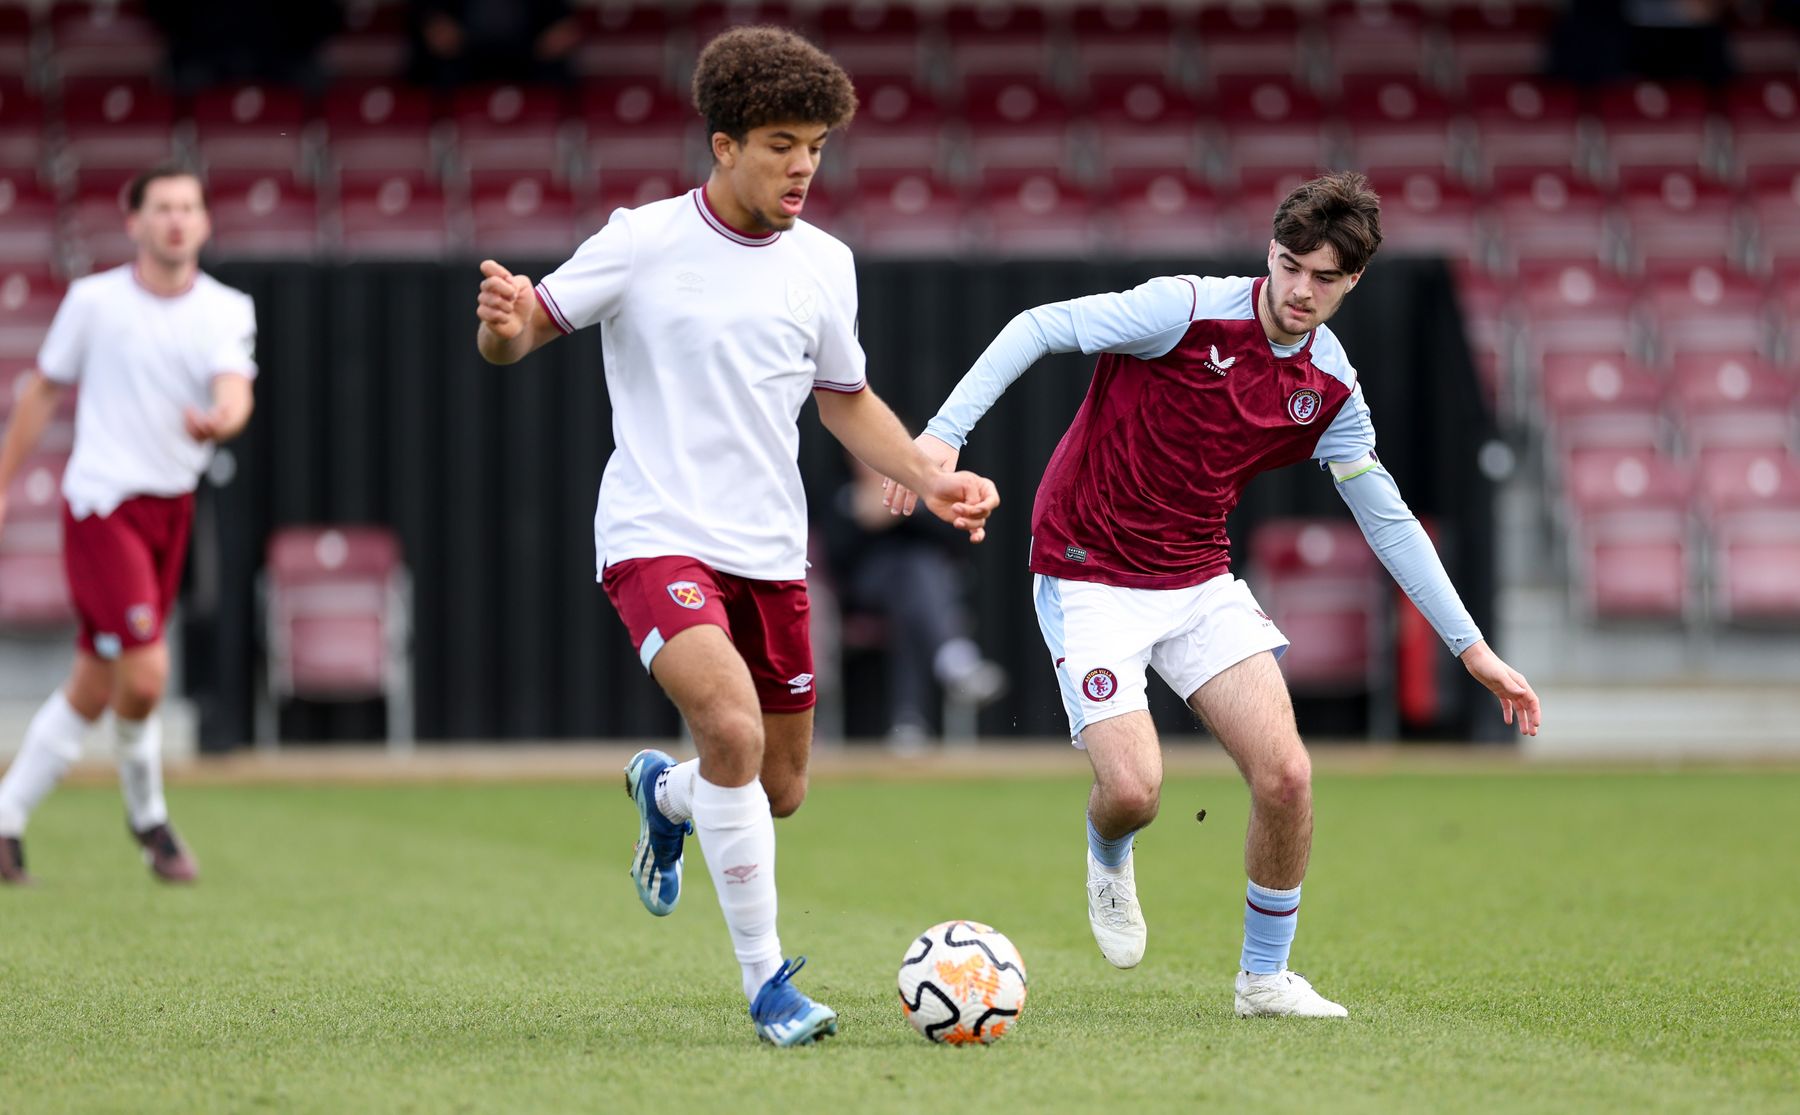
(260, 127)
(1632, 566)
(1142, 120)
(97, 221)
(1015, 123)
(1322, 586)
(337, 614)
(380, 125)
(1764, 115)
(875, 41)
(711, 18)
(1038, 215)
(22, 125)
(1507, 38)
(983, 39)
(371, 45)
(899, 126)
(1268, 124)
(623, 40)
(1743, 481)
(263, 215)
(103, 38)
(1428, 214)
(1384, 37)
(1648, 123)
(15, 42)
(1728, 401)
(1605, 479)
(1775, 212)
(1526, 122)
(636, 127)
(507, 127)
(1705, 306)
(116, 124)
(1168, 212)
(1675, 215)
(1395, 121)
(393, 216)
(1114, 40)
(1574, 307)
(28, 220)
(1754, 556)
(523, 216)
(625, 191)
(910, 215)
(34, 592)
(1550, 216)
(1601, 401)
(1236, 43)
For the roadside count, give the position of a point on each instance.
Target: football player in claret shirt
(1202, 383)
(164, 356)
(720, 313)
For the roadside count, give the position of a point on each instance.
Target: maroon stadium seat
(1734, 481)
(1754, 556)
(262, 127)
(629, 192)
(1168, 212)
(1706, 306)
(904, 214)
(1601, 400)
(1775, 210)
(1632, 566)
(117, 123)
(380, 125)
(899, 125)
(263, 214)
(22, 125)
(636, 127)
(1427, 213)
(1528, 122)
(97, 219)
(511, 127)
(1498, 38)
(1322, 586)
(1547, 215)
(1384, 37)
(1125, 40)
(15, 41)
(1016, 122)
(34, 592)
(1575, 307)
(393, 216)
(337, 619)
(1396, 121)
(1675, 215)
(28, 220)
(1655, 124)
(1238, 42)
(1601, 479)
(103, 38)
(875, 40)
(1038, 215)
(1764, 114)
(1271, 124)
(1142, 120)
(623, 39)
(997, 39)
(523, 215)
(372, 43)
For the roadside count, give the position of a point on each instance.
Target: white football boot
(1113, 912)
(1282, 994)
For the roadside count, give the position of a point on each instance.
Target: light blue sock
(1110, 853)
(1269, 919)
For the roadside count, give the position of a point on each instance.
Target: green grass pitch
(1525, 941)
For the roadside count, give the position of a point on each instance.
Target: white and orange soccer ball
(963, 983)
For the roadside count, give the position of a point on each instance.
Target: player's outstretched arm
(30, 415)
(513, 325)
(1518, 703)
(233, 401)
(866, 427)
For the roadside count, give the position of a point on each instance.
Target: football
(962, 983)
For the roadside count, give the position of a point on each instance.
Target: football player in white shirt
(164, 355)
(720, 313)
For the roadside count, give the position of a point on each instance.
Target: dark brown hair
(752, 76)
(134, 193)
(1337, 209)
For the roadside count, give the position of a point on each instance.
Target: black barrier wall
(373, 406)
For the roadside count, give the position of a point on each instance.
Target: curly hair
(1337, 209)
(749, 77)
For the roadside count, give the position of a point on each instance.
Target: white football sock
(737, 835)
(675, 791)
(52, 743)
(139, 745)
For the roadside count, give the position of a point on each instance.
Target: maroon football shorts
(660, 597)
(125, 569)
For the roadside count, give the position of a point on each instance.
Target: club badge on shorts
(1100, 684)
(687, 594)
(141, 618)
(1303, 405)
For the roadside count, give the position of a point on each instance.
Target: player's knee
(1135, 798)
(785, 798)
(730, 731)
(1288, 781)
(137, 694)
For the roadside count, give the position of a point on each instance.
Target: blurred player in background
(1203, 383)
(164, 356)
(720, 312)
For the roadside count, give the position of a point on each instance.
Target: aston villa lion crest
(1303, 405)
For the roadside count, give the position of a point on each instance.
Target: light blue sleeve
(1403, 546)
(1146, 321)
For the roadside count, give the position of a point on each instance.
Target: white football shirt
(141, 359)
(713, 341)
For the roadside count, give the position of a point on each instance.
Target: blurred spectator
(216, 42)
(1599, 41)
(905, 569)
(461, 41)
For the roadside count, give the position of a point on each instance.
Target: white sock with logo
(737, 836)
(52, 743)
(675, 791)
(139, 744)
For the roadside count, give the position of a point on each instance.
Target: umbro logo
(690, 282)
(1218, 365)
(741, 874)
(800, 683)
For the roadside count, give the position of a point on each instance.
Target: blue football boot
(784, 1016)
(656, 859)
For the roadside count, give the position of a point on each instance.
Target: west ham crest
(687, 594)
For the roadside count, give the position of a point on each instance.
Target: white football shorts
(1101, 637)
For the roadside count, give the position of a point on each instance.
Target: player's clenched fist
(505, 302)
